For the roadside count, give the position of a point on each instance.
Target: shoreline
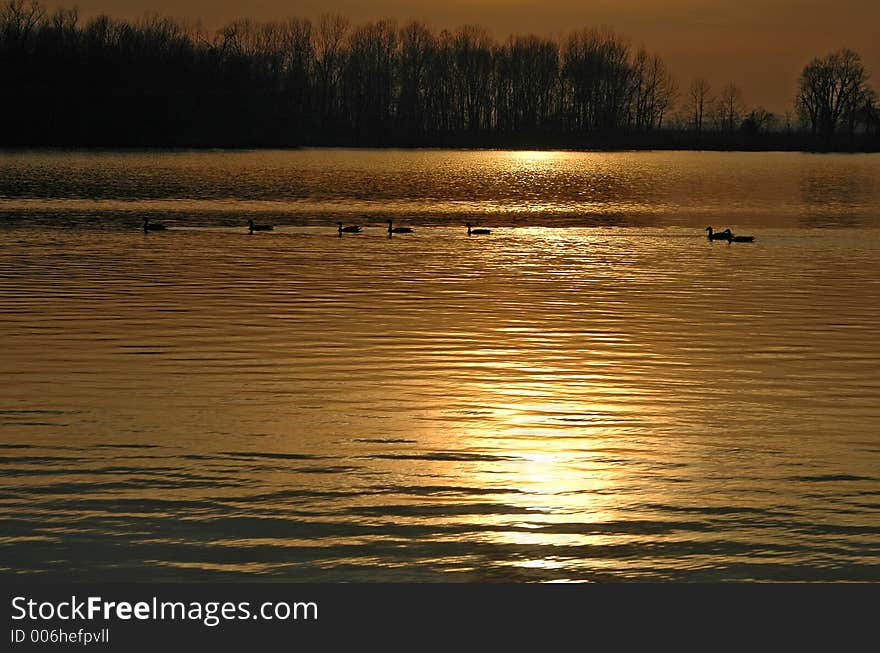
(873, 148)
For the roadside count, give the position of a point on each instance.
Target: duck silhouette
(351, 229)
(153, 226)
(398, 230)
(258, 227)
(717, 235)
(478, 232)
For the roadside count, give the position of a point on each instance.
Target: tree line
(160, 82)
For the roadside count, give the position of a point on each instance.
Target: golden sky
(761, 45)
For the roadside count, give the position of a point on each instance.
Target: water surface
(304, 187)
(592, 392)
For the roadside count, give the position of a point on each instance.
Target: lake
(592, 392)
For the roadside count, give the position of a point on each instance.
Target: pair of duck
(158, 226)
(727, 235)
(355, 229)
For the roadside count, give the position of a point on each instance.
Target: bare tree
(417, 46)
(700, 99)
(369, 78)
(869, 112)
(654, 91)
(298, 70)
(472, 61)
(18, 22)
(329, 48)
(731, 105)
(526, 74)
(829, 90)
(597, 80)
(759, 120)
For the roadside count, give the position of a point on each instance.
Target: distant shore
(657, 139)
(160, 82)
(665, 141)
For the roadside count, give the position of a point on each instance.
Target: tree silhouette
(830, 92)
(162, 82)
(730, 107)
(700, 99)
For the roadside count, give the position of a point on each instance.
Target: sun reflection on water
(554, 404)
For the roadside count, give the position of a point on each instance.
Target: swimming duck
(153, 226)
(477, 231)
(351, 229)
(740, 239)
(719, 235)
(258, 227)
(398, 230)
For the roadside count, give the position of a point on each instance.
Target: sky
(760, 45)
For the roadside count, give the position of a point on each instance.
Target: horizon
(781, 41)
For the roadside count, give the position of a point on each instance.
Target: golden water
(609, 397)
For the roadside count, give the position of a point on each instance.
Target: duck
(153, 226)
(718, 235)
(477, 231)
(258, 227)
(398, 230)
(351, 229)
(740, 239)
